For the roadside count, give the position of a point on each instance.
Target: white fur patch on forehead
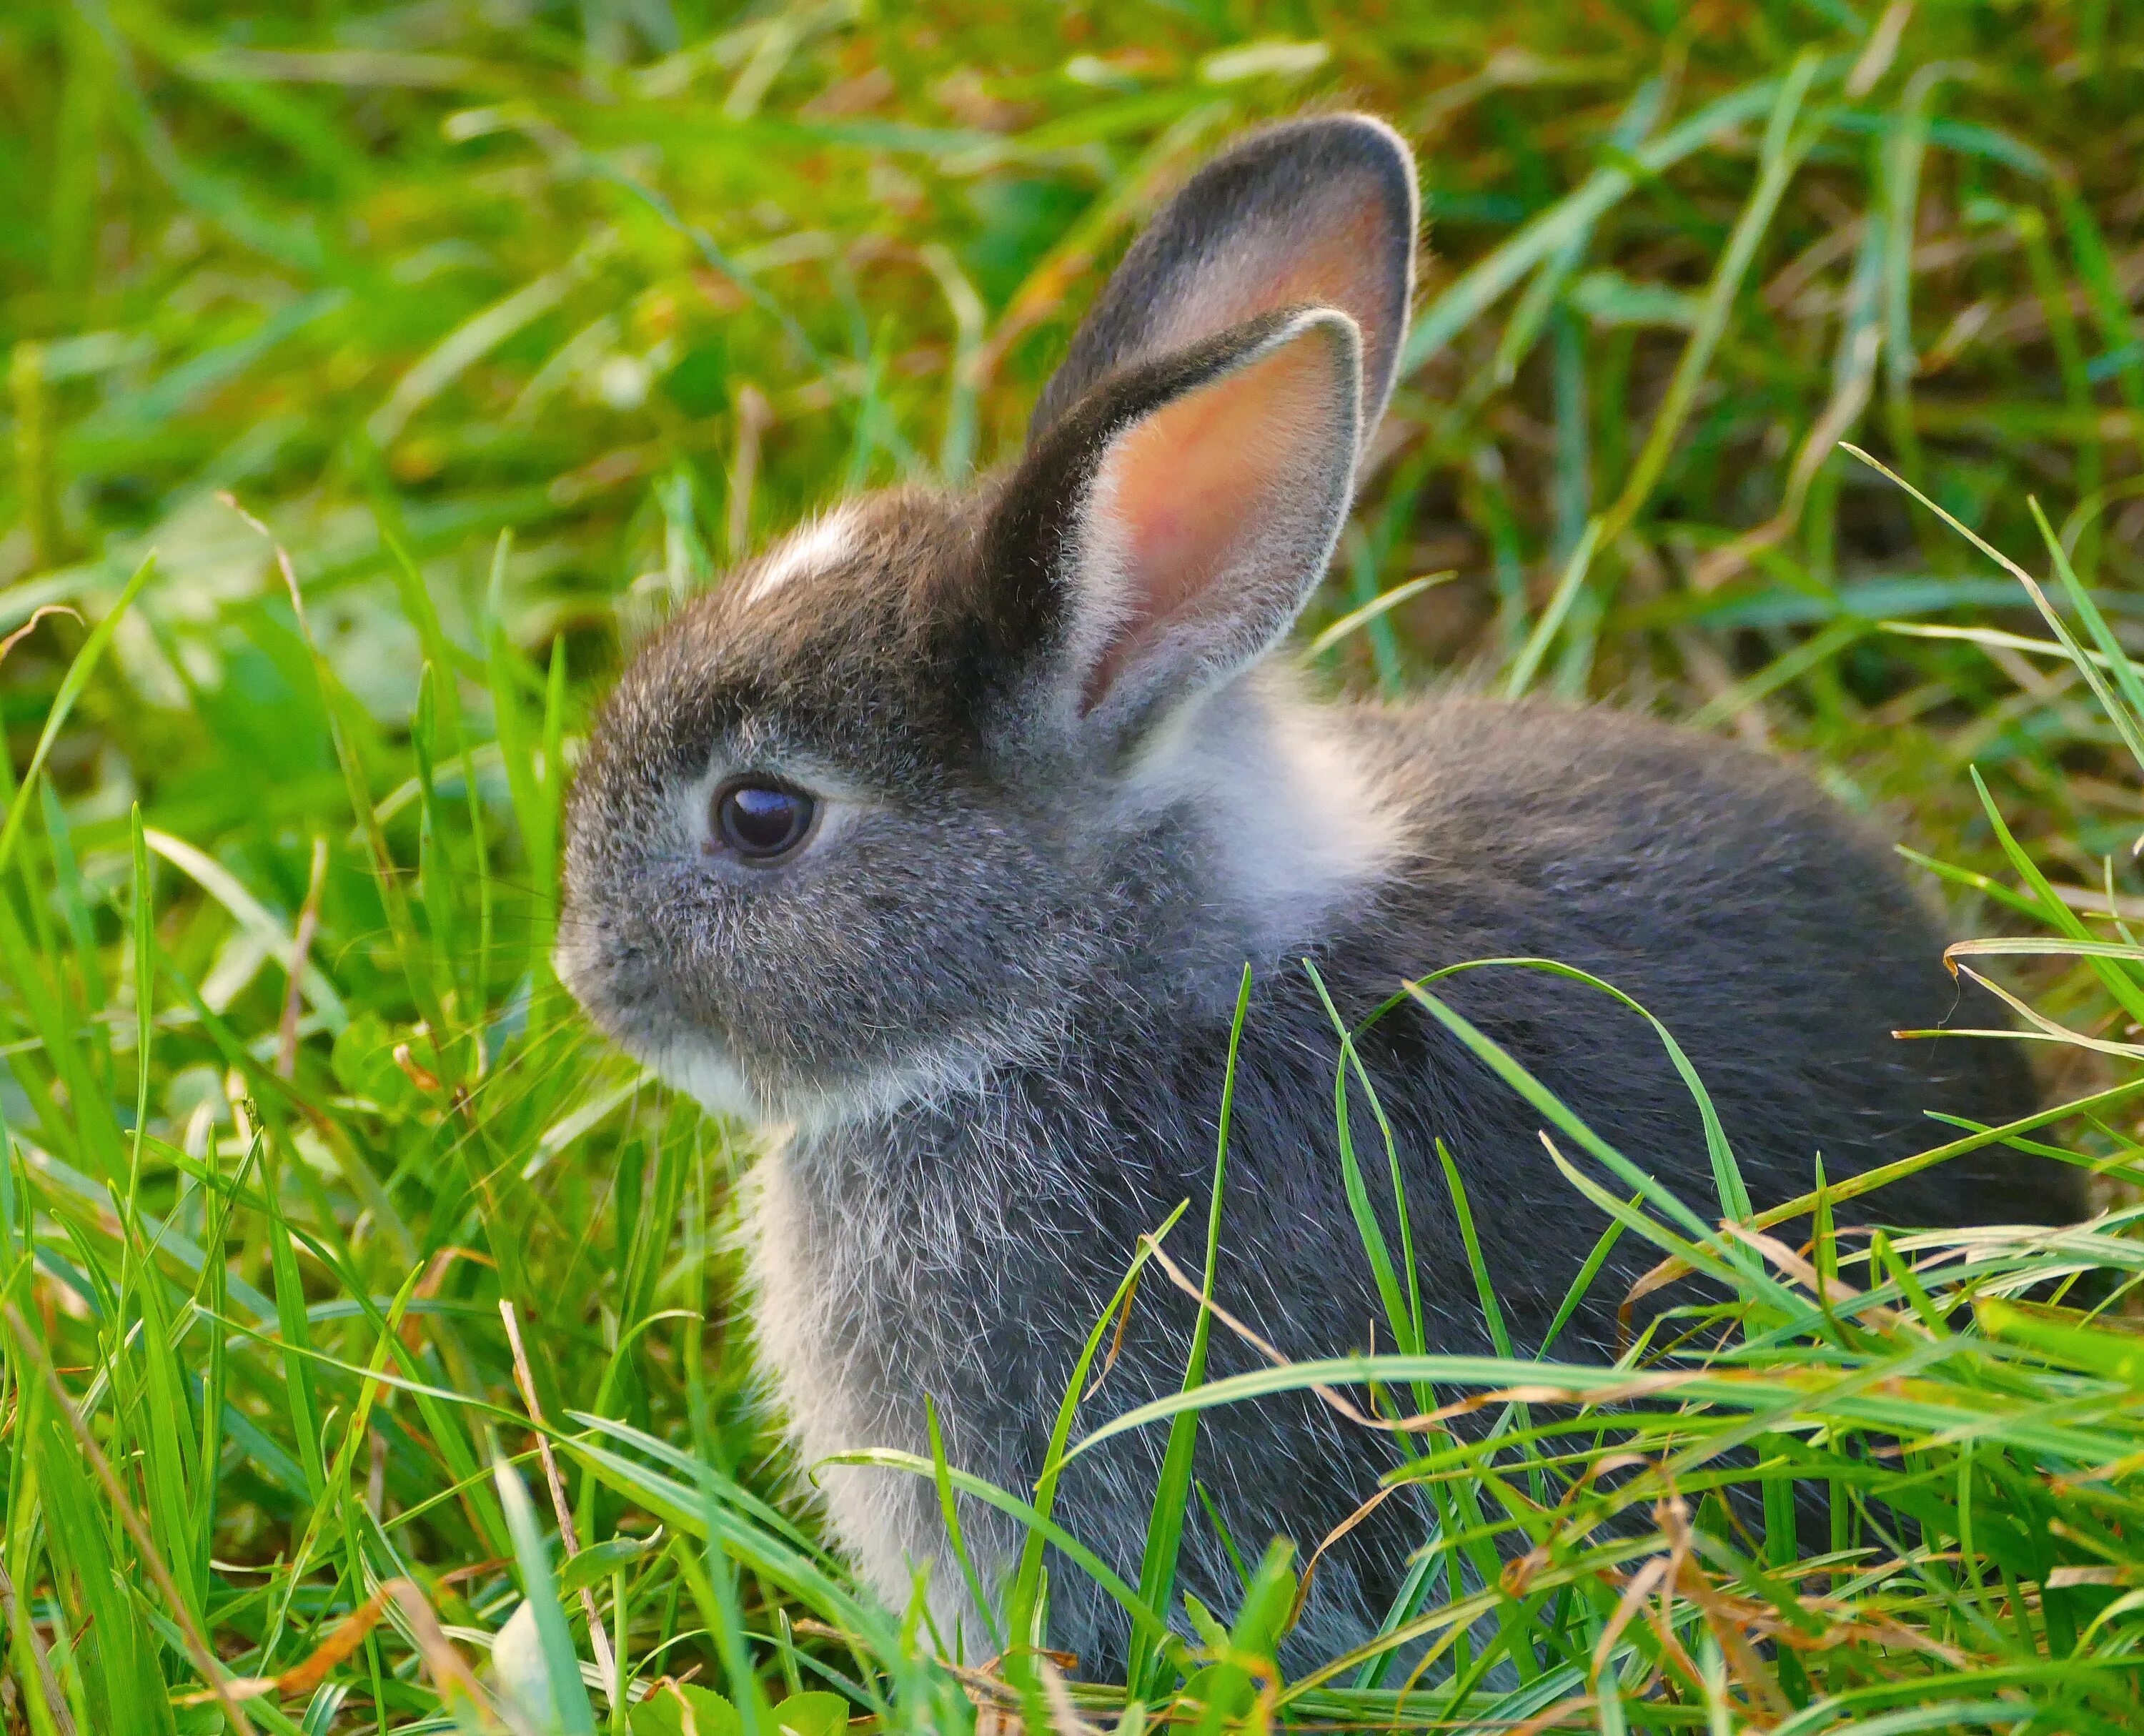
(825, 543)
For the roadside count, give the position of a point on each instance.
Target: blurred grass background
(513, 322)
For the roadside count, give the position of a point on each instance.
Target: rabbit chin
(707, 1071)
(701, 1063)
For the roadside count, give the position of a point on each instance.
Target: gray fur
(983, 1020)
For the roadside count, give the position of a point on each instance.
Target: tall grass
(368, 1357)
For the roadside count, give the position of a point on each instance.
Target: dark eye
(762, 822)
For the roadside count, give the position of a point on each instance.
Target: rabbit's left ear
(1319, 212)
(1166, 531)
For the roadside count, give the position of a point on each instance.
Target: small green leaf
(814, 1713)
(678, 1709)
(363, 1060)
(599, 1561)
(1224, 1692)
(1268, 1602)
(1204, 1623)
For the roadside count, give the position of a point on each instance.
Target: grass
(511, 324)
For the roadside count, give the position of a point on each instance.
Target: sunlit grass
(512, 324)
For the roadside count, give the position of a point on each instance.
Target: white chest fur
(819, 1329)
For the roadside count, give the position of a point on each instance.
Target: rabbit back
(1774, 933)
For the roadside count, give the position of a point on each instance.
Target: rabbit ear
(1319, 212)
(1165, 532)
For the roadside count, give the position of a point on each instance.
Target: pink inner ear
(1184, 499)
(1339, 263)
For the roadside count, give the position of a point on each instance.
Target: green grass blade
(1173, 1492)
(569, 1696)
(76, 678)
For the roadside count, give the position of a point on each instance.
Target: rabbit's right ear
(1164, 534)
(1317, 212)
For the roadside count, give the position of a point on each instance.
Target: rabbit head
(870, 813)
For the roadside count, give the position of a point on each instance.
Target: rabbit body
(966, 1247)
(935, 842)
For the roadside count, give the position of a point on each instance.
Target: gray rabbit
(934, 841)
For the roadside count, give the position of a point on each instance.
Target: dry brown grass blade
(427, 1287)
(1669, 1584)
(1519, 1573)
(1639, 1587)
(1832, 1291)
(1332, 1537)
(598, 1639)
(755, 416)
(309, 1672)
(1116, 1338)
(1882, 47)
(447, 1670)
(1556, 1717)
(1834, 423)
(48, 1685)
(30, 626)
(1726, 1621)
(1064, 1716)
(301, 947)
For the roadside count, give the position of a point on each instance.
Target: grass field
(378, 372)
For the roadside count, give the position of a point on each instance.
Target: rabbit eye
(762, 823)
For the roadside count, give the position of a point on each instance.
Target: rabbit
(934, 841)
